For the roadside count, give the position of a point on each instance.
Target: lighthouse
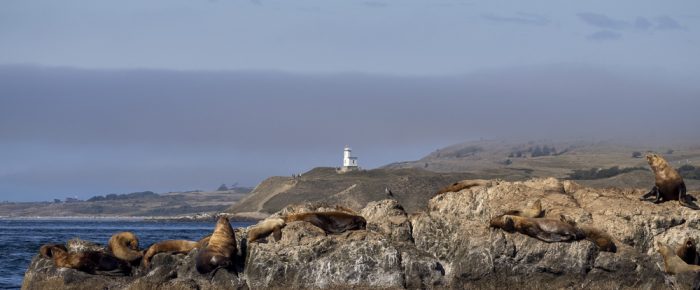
(349, 162)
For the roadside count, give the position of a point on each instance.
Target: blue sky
(104, 97)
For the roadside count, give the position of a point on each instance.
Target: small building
(349, 162)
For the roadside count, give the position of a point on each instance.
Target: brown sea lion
(548, 230)
(687, 252)
(172, 246)
(90, 262)
(600, 238)
(672, 263)
(45, 250)
(125, 246)
(265, 228)
(460, 185)
(330, 221)
(533, 211)
(219, 250)
(669, 184)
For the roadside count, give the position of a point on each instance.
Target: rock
(449, 245)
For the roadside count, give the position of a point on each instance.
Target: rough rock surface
(449, 245)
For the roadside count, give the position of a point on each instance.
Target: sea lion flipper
(277, 234)
(653, 192)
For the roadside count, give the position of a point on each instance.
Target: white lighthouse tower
(349, 162)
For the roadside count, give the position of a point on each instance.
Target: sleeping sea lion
(173, 246)
(687, 252)
(672, 263)
(265, 228)
(533, 211)
(219, 250)
(548, 230)
(125, 246)
(460, 185)
(331, 221)
(669, 184)
(45, 250)
(90, 262)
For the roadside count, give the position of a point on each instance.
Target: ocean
(20, 239)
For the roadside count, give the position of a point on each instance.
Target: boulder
(448, 245)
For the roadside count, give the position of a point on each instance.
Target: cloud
(667, 23)
(602, 21)
(642, 23)
(520, 18)
(83, 132)
(603, 35)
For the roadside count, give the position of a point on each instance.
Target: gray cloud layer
(67, 131)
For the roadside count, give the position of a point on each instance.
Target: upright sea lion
(672, 263)
(330, 221)
(533, 211)
(669, 184)
(687, 252)
(460, 185)
(219, 250)
(265, 228)
(125, 246)
(89, 262)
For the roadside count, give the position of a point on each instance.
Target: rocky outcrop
(448, 245)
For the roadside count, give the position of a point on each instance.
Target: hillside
(139, 204)
(500, 158)
(412, 187)
(414, 182)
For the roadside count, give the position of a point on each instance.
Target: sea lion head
(689, 243)
(125, 239)
(504, 222)
(663, 249)
(357, 223)
(656, 162)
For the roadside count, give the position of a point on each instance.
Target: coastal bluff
(448, 244)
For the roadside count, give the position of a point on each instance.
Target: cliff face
(449, 244)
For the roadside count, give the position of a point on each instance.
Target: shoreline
(188, 218)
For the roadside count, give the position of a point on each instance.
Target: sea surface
(20, 239)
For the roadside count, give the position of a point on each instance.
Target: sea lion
(265, 228)
(533, 211)
(331, 221)
(45, 250)
(125, 246)
(687, 252)
(89, 262)
(548, 230)
(669, 184)
(219, 250)
(460, 185)
(173, 246)
(672, 263)
(601, 239)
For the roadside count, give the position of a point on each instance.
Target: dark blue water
(20, 239)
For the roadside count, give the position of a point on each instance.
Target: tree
(636, 154)
(222, 187)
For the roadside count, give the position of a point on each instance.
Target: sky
(102, 97)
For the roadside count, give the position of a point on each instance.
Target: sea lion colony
(219, 249)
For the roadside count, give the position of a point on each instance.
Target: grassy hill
(500, 158)
(414, 182)
(412, 187)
